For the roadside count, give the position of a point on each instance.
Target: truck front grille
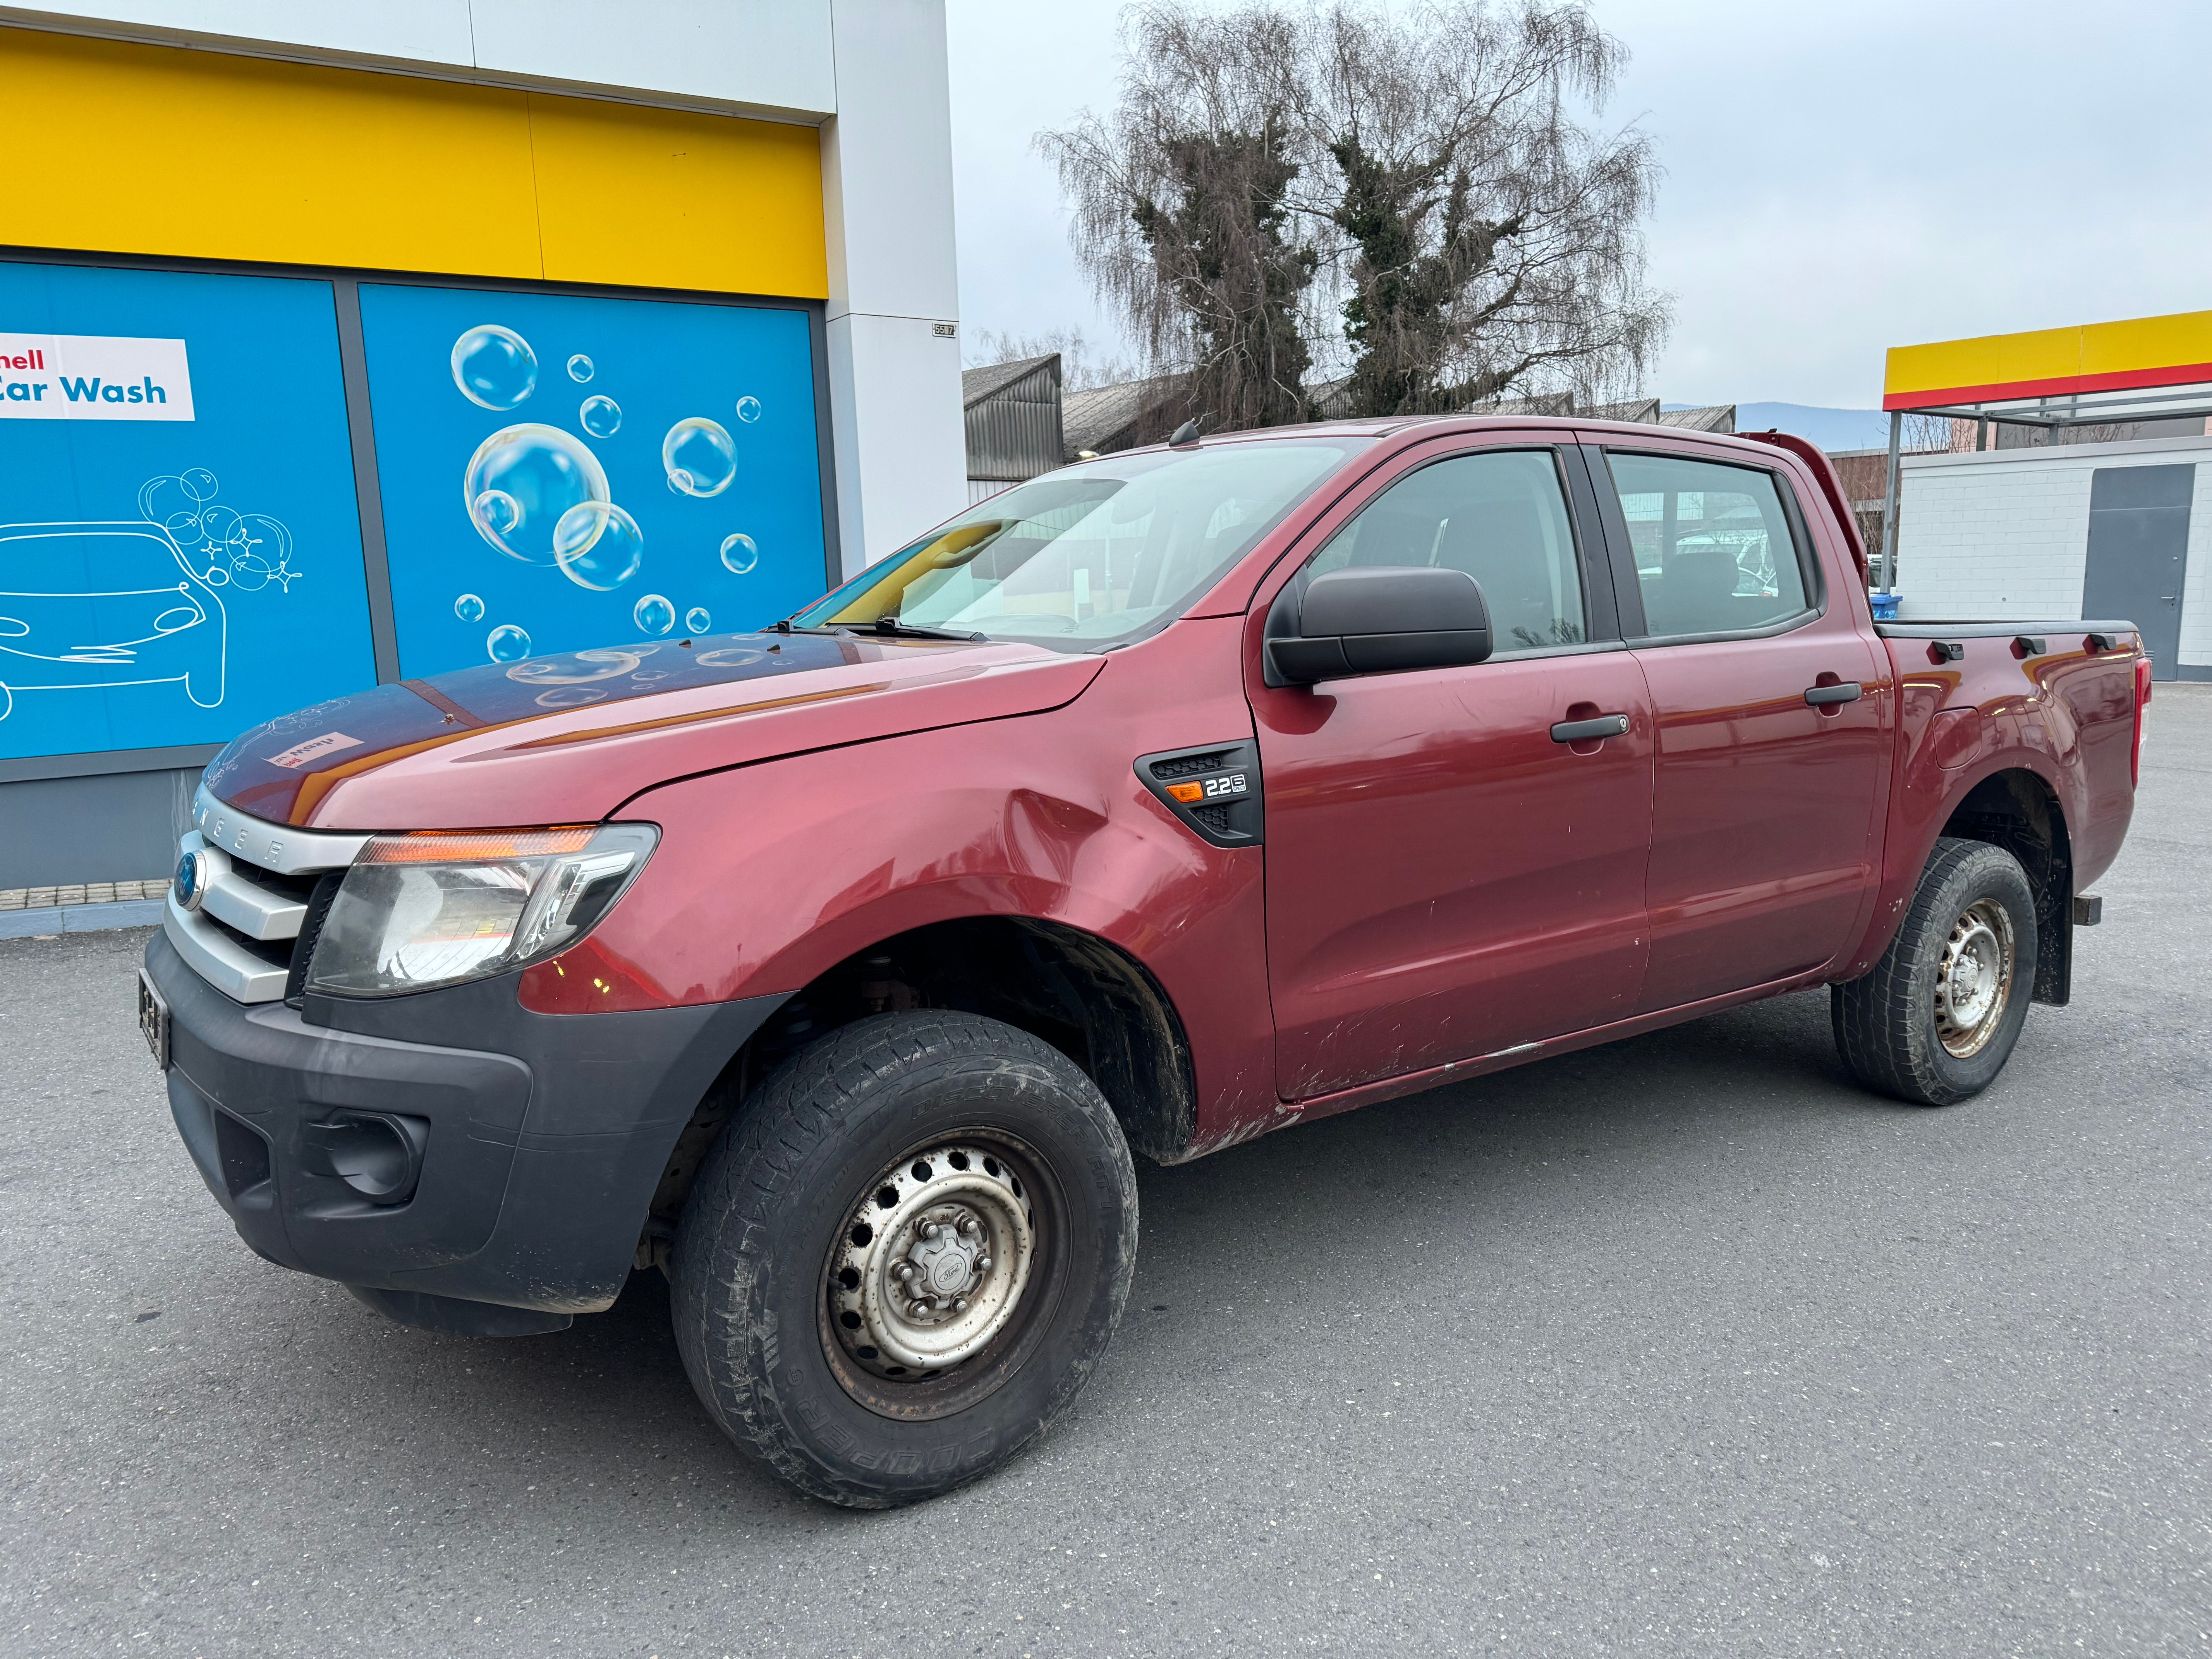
(244, 934)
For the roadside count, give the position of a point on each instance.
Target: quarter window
(1714, 554)
(1499, 516)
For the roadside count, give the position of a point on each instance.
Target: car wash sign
(93, 377)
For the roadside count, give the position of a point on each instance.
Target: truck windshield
(1093, 554)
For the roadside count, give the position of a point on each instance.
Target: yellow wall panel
(667, 198)
(130, 149)
(150, 149)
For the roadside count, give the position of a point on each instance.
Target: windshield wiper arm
(893, 626)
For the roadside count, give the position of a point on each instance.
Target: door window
(1714, 553)
(1501, 517)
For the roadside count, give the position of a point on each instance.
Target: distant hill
(1831, 429)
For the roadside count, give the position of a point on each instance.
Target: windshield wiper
(890, 625)
(898, 629)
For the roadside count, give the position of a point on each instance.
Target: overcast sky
(1840, 178)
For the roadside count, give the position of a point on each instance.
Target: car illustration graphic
(93, 605)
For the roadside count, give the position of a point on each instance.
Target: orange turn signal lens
(474, 846)
(1187, 793)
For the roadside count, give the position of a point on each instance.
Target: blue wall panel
(561, 473)
(172, 571)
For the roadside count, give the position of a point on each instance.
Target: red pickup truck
(1186, 794)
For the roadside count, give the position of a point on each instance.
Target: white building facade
(2037, 533)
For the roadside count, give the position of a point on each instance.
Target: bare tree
(1182, 211)
(1081, 365)
(1412, 195)
(1492, 243)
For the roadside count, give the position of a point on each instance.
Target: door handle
(1605, 726)
(1848, 691)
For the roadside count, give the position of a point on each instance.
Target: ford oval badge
(191, 880)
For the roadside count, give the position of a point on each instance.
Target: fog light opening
(378, 1154)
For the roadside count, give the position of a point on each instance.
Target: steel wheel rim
(935, 1263)
(1974, 981)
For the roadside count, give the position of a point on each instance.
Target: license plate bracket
(154, 1019)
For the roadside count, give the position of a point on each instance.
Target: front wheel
(1936, 1018)
(905, 1255)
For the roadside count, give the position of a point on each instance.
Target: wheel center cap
(944, 1264)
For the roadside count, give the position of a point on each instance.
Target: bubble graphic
(699, 456)
(507, 643)
(600, 416)
(469, 608)
(649, 675)
(494, 366)
(521, 480)
(697, 621)
(738, 554)
(598, 545)
(569, 696)
(749, 410)
(652, 613)
(495, 512)
(580, 369)
(731, 656)
(575, 668)
(199, 483)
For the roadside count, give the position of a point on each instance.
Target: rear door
(1763, 834)
(1444, 880)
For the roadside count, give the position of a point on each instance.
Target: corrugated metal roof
(1104, 418)
(977, 384)
(1712, 417)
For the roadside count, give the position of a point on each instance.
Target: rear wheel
(1936, 1019)
(905, 1255)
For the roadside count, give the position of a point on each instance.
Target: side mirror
(1377, 620)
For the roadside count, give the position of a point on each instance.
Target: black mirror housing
(1378, 619)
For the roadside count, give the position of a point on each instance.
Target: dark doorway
(2138, 549)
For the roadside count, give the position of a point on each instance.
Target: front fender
(768, 876)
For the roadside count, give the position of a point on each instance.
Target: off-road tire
(775, 1199)
(1886, 1021)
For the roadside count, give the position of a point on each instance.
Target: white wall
(2005, 533)
(770, 57)
(870, 74)
(894, 283)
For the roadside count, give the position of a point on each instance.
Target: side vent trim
(1213, 790)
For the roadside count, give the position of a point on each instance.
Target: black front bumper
(541, 1137)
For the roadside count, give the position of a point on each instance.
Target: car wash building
(2086, 490)
(342, 344)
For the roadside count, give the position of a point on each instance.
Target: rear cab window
(1714, 544)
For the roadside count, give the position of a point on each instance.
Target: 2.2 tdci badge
(1227, 786)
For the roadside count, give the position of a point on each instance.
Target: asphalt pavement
(1682, 1345)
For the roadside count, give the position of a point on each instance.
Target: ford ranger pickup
(836, 970)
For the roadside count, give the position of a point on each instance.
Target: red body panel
(582, 763)
(767, 875)
(2068, 717)
(1443, 880)
(1442, 889)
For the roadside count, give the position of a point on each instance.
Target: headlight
(445, 906)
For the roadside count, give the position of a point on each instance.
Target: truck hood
(567, 738)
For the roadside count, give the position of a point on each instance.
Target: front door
(1445, 880)
(1764, 814)
(2138, 550)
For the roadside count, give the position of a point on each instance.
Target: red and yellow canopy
(2144, 351)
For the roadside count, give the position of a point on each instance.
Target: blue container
(1885, 606)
